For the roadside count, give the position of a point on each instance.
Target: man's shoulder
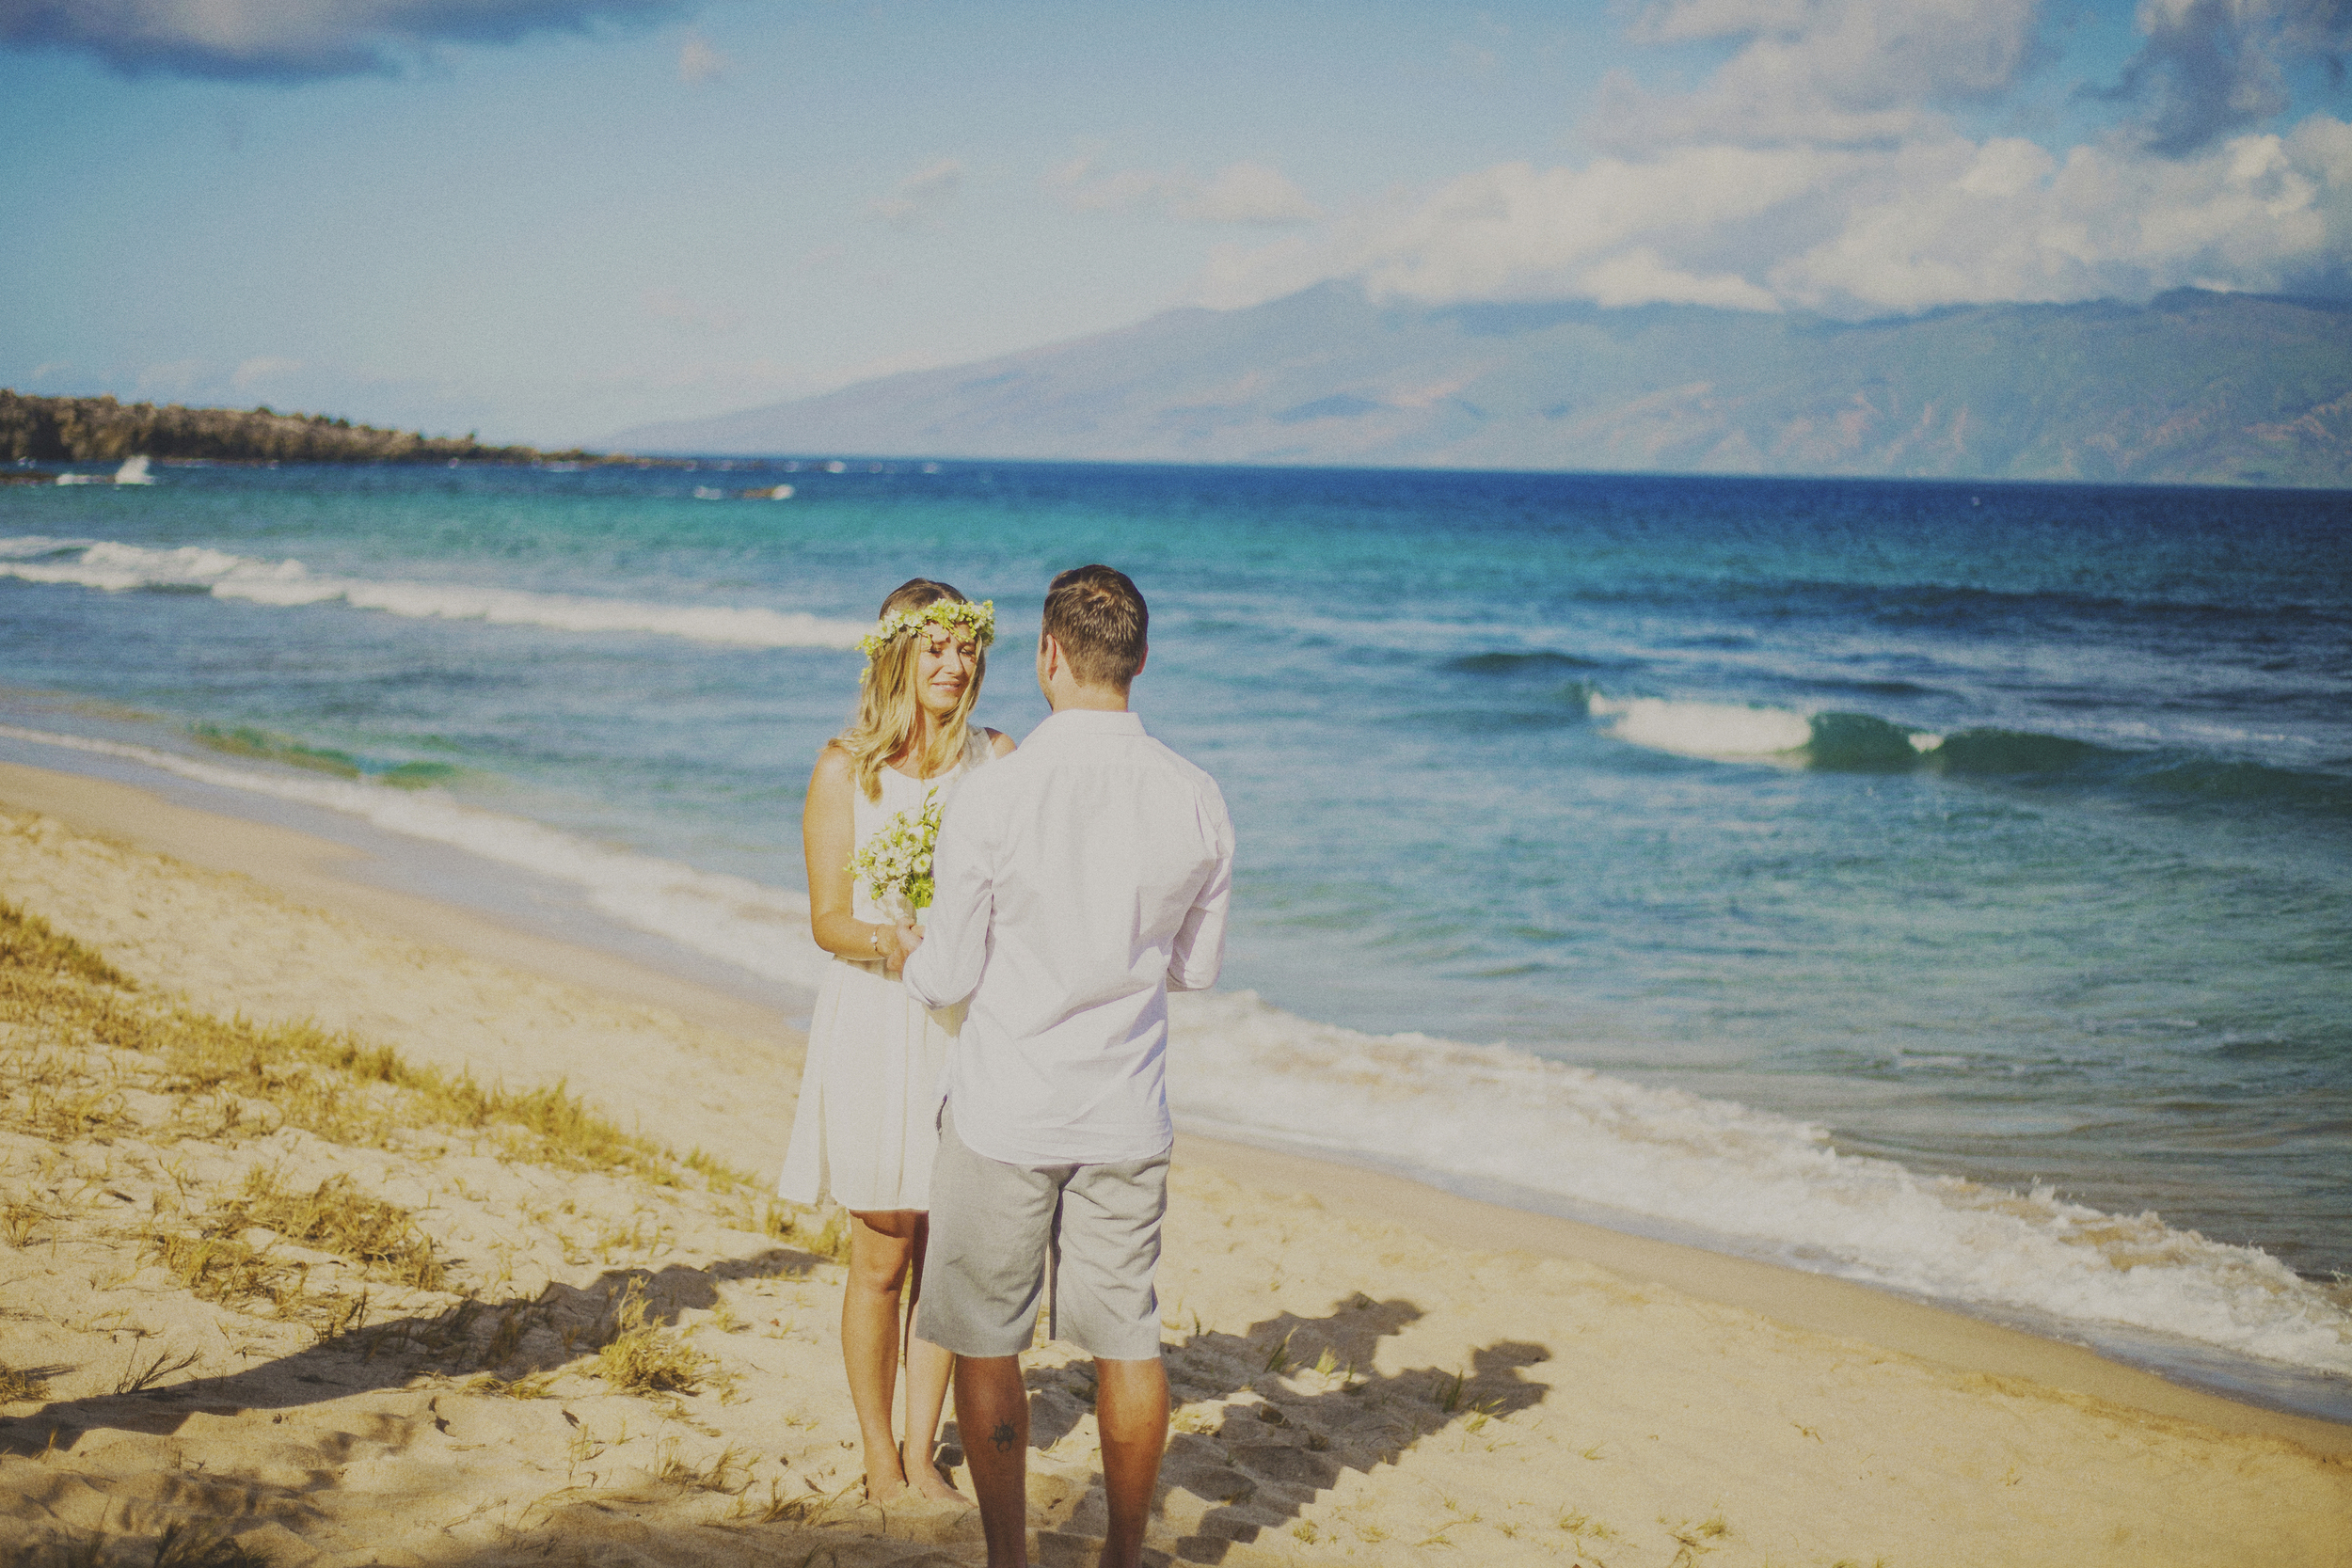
(992, 779)
(1031, 765)
(1182, 766)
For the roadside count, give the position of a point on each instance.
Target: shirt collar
(1074, 722)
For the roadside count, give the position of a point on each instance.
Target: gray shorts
(993, 1226)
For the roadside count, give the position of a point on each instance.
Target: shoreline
(321, 872)
(1361, 1368)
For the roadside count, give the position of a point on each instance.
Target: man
(1078, 881)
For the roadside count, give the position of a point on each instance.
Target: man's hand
(910, 937)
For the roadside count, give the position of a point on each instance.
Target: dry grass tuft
(807, 1507)
(339, 1218)
(789, 1223)
(19, 1383)
(216, 1262)
(226, 1269)
(180, 1546)
(18, 1219)
(538, 1385)
(644, 1357)
(27, 943)
(136, 1376)
(729, 1474)
(1693, 1542)
(717, 1174)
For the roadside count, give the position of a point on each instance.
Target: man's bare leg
(993, 1417)
(1131, 1410)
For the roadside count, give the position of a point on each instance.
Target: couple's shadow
(1276, 1430)
(512, 1339)
(1265, 1418)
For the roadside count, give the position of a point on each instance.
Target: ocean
(1944, 886)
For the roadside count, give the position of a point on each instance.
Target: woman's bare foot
(886, 1488)
(925, 1480)
(934, 1486)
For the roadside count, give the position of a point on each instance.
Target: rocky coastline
(102, 430)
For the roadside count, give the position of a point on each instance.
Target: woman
(864, 1132)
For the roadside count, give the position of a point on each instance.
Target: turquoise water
(1943, 885)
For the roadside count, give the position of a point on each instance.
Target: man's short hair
(1098, 617)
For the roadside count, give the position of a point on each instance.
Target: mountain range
(2194, 387)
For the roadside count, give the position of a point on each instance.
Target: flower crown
(978, 619)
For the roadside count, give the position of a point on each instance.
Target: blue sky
(549, 220)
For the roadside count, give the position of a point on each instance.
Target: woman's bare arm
(828, 836)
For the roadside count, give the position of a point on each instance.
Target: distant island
(2192, 387)
(100, 430)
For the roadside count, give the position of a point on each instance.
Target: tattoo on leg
(1003, 1437)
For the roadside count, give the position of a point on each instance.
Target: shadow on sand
(513, 1340)
(1266, 1419)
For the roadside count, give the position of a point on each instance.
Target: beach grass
(644, 1357)
(18, 1383)
(325, 1081)
(88, 1058)
(29, 947)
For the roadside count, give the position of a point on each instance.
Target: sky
(549, 220)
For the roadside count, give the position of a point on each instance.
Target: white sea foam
(758, 928)
(117, 567)
(1703, 729)
(1717, 1167)
(1703, 1166)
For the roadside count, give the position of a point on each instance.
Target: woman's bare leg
(928, 1368)
(881, 1246)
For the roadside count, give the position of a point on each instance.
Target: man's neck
(1088, 698)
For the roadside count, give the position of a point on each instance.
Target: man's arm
(1199, 952)
(946, 967)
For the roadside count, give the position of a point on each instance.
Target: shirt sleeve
(946, 968)
(1199, 951)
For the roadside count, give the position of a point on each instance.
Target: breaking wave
(120, 568)
(1719, 1173)
(1863, 743)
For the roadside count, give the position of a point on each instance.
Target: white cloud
(291, 39)
(698, 62)
(1256, 195)
(2009, 221)
(1245, 193)
(53, 367)
(253, 372)
(1850, 231)
(1818, 167)
(1836, 71)
(920, 195)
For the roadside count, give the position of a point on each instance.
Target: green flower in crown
(978, 620)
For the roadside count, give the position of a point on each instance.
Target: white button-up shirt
(1077, 881)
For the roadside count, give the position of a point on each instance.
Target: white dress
(867, 1125)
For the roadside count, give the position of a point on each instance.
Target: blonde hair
(888, 712)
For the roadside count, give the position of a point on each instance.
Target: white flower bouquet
(895, 862)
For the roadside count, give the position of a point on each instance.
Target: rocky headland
(101, 430)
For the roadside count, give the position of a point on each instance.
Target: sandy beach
(554, 1343)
